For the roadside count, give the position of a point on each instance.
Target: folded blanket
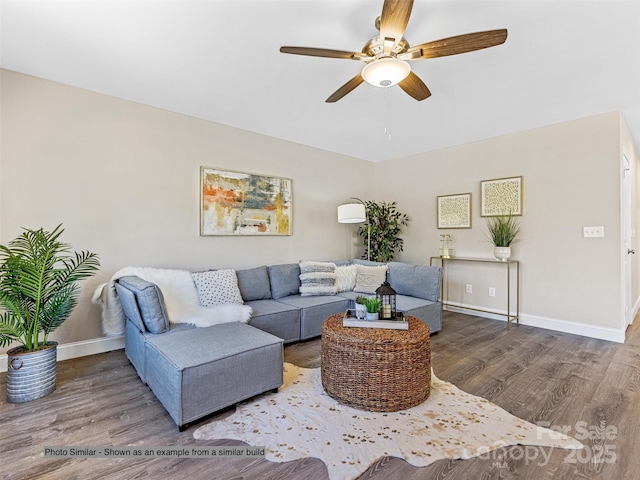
(180, 299)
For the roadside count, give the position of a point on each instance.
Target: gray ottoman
(199, 371)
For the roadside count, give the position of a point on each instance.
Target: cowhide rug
(301, 420)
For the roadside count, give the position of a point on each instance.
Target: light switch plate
(593, 232)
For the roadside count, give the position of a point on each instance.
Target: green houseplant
(502, 231)
(38, 291)
(372, 304)
(361, 308)
(381, 234)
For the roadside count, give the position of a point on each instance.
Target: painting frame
(501, 196)
(234, 203)
(454, 211)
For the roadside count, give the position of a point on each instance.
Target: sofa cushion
(284, 280)
(130, 307)
(317, 278)
(367, 263)
(368, 279)
(345, 278)
(420, 281)
(277, 318)
(150, 303)
(217, 287)
(254, 283)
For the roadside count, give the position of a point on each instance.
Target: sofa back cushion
(419, 281)
(368, 263)
(284, 280)
(130, 307)
(254, 283)
(217, 287)
(149, 301)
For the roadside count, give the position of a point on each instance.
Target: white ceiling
(219, 60)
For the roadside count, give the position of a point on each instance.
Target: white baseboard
(586, 330)
(79, 349)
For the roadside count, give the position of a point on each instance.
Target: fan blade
(346, 88)
(460, 44)
(415, 87)
(324, 52)
(393, 22)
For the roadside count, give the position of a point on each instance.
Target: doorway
(627, 245)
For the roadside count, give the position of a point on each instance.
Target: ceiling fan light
(385, 72)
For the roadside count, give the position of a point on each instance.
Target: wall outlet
(593, 232)
(492, 292)
(468, 288)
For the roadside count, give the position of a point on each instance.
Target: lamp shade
(385, 72)
(352, 213)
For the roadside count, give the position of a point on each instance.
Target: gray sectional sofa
(197, 371)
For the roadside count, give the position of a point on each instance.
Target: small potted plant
(372, 305)
(38, 291)
(502, 230)
(361, 308)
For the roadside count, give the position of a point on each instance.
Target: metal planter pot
(31, 375)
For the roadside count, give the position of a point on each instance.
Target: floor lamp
(356, 213)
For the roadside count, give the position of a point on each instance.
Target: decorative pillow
(217, 287)
(317, 278)
(284, 280)
(254, 283)
(368, 279)
(346, 278)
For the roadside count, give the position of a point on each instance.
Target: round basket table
(376, 369)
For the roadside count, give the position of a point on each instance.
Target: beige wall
(571, 179)
(123, 179)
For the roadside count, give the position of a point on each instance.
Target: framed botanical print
(501, 196)
(454, 211)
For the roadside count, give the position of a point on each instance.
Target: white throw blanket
(180, 300)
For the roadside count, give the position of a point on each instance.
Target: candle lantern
(387, 297)
(446, 246)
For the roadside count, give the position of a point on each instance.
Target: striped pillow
(317, 278)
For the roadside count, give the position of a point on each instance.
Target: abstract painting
(236, 203)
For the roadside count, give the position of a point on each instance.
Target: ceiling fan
(387, 55)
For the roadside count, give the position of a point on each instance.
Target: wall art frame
(454, 211)
(501, 196)
(244, 204)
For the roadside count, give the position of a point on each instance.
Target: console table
(509, 264)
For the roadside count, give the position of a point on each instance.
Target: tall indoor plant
(502, 231)
(38, 291)
(382, 232)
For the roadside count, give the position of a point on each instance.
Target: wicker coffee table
(376, 369)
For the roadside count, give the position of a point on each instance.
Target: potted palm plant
(38, 291)
(502, 231)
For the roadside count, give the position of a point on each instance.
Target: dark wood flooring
(589, 387)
